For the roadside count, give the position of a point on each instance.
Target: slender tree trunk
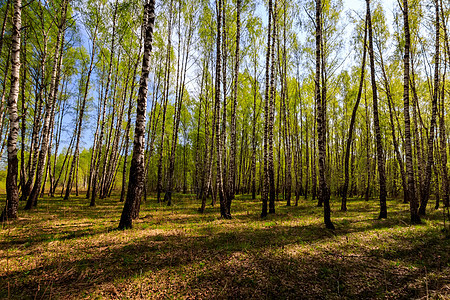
(12, 193)
(57, 141)
(49, 108)
(209, 149)
(55, 137)
(94, 150)
(254, 142)
(324, 191)
(306, 155)
(376, 121)
(219, 134)
(127, 134)
(271, 173)
(231, 190)
(113, 161)
(112, 144)
(48, 169)
(314, 158)
(98, 153)
(5, 18)
(179, 104)
(418, 149)
(3, 103)
(222, 185)
(152, 124)
(265, 184)
(34, 150)
(66, 159)
(24, 111)
(198, 178)
(352, 191)
(287, 127)
(352, 123)
(368, 162)
(224, 108)
(80, 118)
(415, 218)
(425, 195)
(184, 167)
(442, 129)
(436, 186)
(298, 155)
(165, 100)
(136, 180)
(394, 137)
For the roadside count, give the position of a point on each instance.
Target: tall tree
(104, 97)
(232, 165)
(376, 122)
(442, 128)
(40, 87)
(49, 107)
(219, 134)
(395, 141)
(81, 114)
(136, 179)
(265, 184)
(425, 193)
(5, 18)
(270, 125)
(413, 205)
(286, 117)
(128, 126)
(324, 191)
(12, 193)
(165, 101)
(352, 123)
(180, 90)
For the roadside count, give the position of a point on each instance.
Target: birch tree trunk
(127, 130)
(34, 151)
(136, 179)
(49, 110)
(178, 107)
(271, 168)
(253, 167)
(80, 117)
(165, 100)
(394, 136)
(324, 191)
(99, 146)
(442, 129)
(425, 195)
(219, 140)
(24, 111)
(231, 190)
(287, 127)
(413, 205)
(352, 124)
(376, 122)
(209, 150)
(265, 183)
(12, 193)
(5, 18)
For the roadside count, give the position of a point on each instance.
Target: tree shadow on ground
(247, 257)
(41, 232)
(252, 263)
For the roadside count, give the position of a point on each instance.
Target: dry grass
(67, 250)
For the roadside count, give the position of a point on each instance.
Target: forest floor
(67, 250)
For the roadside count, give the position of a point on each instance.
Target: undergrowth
(68, 250)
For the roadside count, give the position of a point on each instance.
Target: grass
(68, 250)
